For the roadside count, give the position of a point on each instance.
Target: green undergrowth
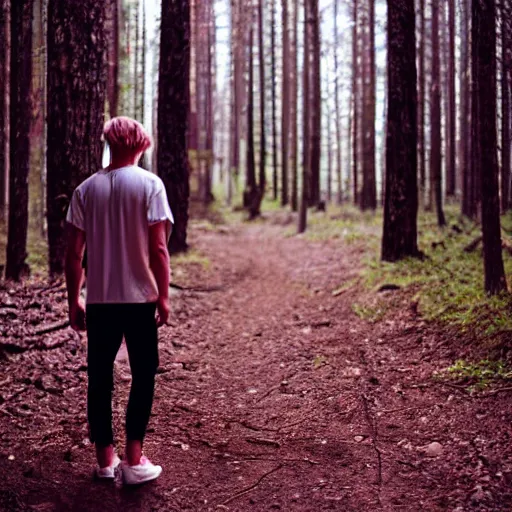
(448, 284)
(477, 375)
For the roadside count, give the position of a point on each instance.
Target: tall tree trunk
(506, 79)
(483, 37)
(339, 173)
(210, 92)
(113, 56)
(401, 202)
(306, 129)
(4, 105)
(252, 195)
(355, 103)
(274, 99)
(465, 105)
(263, 128)
(435, 122)
(173, 104)
(316, 106)
(20, 114)
(77, 48)
(421, 102)
(294, 114)
(451, 183)
(369, 191)
(285, 124)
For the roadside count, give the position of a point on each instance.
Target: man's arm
(75, 275)
(159, 263)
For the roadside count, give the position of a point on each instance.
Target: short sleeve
(75, 213)
(158, 208)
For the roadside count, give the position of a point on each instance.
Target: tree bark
(355, 104)
(401, 200)
(20, 114)
(274, 99)
(421, 103)
(173, 104)
(4, 105)
(285, 124)
(435, 121)
(506, 79)
(294, 109)
(263, 128)
(306, 148)
(339, 173)
(451, 182)
(77, 48)
(483, 36)
(252, 196)
(465, 105)
(369, 191)
(316, 106)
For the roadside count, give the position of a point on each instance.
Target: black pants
(106, 326)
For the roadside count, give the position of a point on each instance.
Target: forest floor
(272, 393)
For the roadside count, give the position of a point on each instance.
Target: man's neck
(119, 161)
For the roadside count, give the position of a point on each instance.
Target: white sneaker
(142, 472)
(109, 472)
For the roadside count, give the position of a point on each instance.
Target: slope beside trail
(272, 394)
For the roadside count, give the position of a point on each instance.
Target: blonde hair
(126, 134)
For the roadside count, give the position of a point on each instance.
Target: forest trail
(272, 394)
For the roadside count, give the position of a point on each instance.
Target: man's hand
(77, 316)
(162, 311)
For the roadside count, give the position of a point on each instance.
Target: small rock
(358, 439)
(434, 449)
(479, 495)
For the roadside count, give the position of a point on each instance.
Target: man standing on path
(122, 214)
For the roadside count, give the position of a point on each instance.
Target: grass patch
(477, 375)
(190, 258)
(370, 313)
(449, 283)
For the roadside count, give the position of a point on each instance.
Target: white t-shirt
(115, 209)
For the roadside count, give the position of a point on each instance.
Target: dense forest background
(397, 105)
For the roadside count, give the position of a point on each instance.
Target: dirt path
(272, 395)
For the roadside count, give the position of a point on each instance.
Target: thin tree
(252, 196)
(306, 129)
(173, 104)
(285, 118)
(483, 37)
(401, 199)
(20, 110)
(465, 106)
(294, 109)
(316, 105)
(451, 182)
(368, 198)
(77, 48)
(435, 121)
(263, 129)
(4, 110)
(506, 80)
(421, 102)
(274, 98)
(355, 102)
(339, 180)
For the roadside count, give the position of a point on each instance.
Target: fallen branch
(251, 487)
(265, 442)
(496, 391)
(52, 328)
(474, 244)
